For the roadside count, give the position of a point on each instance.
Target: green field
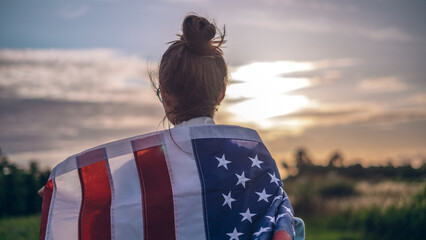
(27, 227)
(350, 226)
(317, 229)
(18, 228)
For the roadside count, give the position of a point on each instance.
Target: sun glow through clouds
(261, 91)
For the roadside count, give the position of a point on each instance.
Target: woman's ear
(166, 99)
(222, 94)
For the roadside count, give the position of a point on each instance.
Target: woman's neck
(196, 121)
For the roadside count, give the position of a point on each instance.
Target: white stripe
(65, 166)
(224, 131)
(70, 164)
(63, 222)
(126, 204)
(186, 186)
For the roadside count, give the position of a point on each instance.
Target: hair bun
(198, 33)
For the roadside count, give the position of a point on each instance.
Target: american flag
(198, 182)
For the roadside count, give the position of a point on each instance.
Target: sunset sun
(261, 91)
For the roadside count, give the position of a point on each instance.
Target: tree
(18, 188)
(302, 159)
(336, 160)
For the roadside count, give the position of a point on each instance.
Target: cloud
(388, 34)
(336, 63)
(265, 90)
(264, 20)
(56, 102)
(397, 116)
(95, 75)
(36, 126)
(320, 115)
(383, 84)
(324, 113)
(306, 22)
(351, 114)
(254, 103)
(185, 1)
(73, 12)
(268, 78)
(325, 6)
(416, 100)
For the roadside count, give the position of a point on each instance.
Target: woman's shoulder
(104, 151)
(224, 131)
(205, 127)
(143, 141)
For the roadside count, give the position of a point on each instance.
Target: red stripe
(47, 198)
(281, 235)
(157, 195)
(95, 221)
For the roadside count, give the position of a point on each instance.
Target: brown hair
(192, 71)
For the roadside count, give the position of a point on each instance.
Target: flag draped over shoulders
(190, 182)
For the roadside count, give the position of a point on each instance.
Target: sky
(326, 76)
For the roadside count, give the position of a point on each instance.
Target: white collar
(196, 121)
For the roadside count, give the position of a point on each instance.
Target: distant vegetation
(18, 188)
(305, 166)
(356, 202)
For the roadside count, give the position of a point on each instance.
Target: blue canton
(242, 191)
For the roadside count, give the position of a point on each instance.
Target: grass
(27, 227)
(322, 234)
(20, 228)
(317, 229)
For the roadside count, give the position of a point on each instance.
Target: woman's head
(193, 73)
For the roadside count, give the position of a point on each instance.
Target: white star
(262, 230)
(234, 235)
(271, 219)
(242, 179)
(277, 198)
(274, 179)
(263, 196)
(228, 199)
(223, 162)
(288, 210)
(256, 162)
(247, 215)
(280, 216)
